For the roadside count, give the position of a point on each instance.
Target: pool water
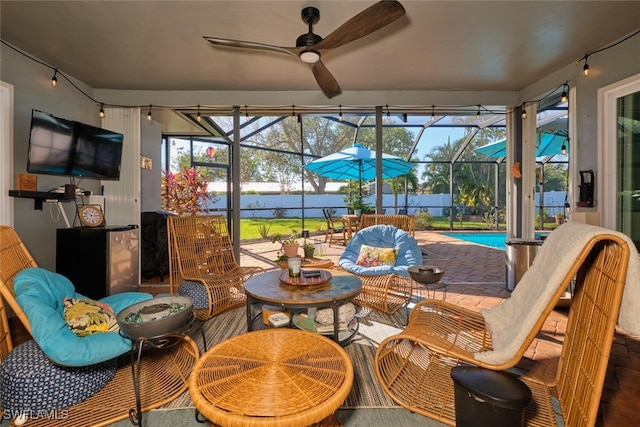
(494, 240)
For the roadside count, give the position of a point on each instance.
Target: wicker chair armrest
(448, 328)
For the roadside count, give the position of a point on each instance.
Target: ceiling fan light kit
(310, 47)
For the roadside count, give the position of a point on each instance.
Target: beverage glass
(294, 266)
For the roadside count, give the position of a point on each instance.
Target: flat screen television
(63, 147)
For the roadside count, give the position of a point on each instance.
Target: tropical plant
(263, 229)
(290, 239)
(184, 192)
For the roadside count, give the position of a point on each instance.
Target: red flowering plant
(185, 192)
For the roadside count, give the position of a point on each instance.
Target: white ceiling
(436, 46)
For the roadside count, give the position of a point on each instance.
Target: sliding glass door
(619, 152)
(628, 169)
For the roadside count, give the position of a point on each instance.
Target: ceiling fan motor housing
(310, 16)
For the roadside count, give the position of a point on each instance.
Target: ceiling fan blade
(325, 79)
(366, 22)
(252, 45)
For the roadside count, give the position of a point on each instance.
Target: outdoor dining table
(351, 222)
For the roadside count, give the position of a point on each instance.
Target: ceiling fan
(310, 47)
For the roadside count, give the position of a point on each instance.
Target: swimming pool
(494, 240)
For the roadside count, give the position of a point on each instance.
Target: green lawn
(255, 228)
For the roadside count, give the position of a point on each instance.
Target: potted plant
(560, 218)
(288, 243)
(309, 249)
(281, 260)
(359, 207)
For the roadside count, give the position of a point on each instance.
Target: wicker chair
(164, 374)
(414, 366)
(403, 222)
(384, 288)
(201, 254)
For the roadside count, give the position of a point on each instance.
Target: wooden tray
(324, 277)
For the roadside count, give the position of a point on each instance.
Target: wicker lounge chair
(164, 374)
(203, 265)
(414, 366)
(384, 288)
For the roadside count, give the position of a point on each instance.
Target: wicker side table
(273, 377)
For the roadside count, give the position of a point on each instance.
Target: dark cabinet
(99, 261)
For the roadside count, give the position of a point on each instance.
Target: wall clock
(90, 215)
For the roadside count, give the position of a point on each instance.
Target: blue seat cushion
(197, 292)
(30, 382)
(408, 253)
(41, 293)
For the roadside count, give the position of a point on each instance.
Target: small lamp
(305, 236)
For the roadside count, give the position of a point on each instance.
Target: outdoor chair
(414, 366)
(386, 284)
(59, 370)
(203, 266)
(334, 226)
(403, 222)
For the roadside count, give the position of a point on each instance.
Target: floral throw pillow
(86, 317)
(371, 256)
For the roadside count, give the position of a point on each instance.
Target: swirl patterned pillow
(86, 317)
(371, 256)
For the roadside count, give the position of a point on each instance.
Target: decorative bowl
(426, 274)
(155, 317)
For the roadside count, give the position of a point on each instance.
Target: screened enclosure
(457, 180)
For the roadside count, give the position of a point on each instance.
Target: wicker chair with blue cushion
(203, 265)
(77, 365)
(380, 256)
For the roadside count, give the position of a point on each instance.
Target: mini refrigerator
(99, 261)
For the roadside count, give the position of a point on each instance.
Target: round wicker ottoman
(272, 377)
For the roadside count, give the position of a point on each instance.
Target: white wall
(32, 90)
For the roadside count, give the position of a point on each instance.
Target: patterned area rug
(374, 327)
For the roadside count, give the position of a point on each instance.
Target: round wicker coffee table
(273, 377)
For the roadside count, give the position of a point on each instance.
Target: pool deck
(476, 278)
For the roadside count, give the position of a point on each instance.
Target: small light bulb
(149, 114)
(585, 69)
(101, 111)
(563, 149)
(198, 116)
(54, 79)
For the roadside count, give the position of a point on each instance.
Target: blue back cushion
(41, 295)
(382, 236)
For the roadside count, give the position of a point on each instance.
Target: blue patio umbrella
(358, 163)
(549, 144)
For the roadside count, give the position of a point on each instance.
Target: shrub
(423, 220)
(279, 212)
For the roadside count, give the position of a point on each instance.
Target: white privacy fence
(290, 205)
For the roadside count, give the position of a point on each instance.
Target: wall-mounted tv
(64, 147)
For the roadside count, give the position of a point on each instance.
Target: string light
(198, 116)
(563, 149)
(149, 113)
(524, 112)
(433, 111)
(101, 113)
(246, 112)
(388, 113)
(585, 69)
(54, 79)
(478, 113)
(565, 89)
(340, 110)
